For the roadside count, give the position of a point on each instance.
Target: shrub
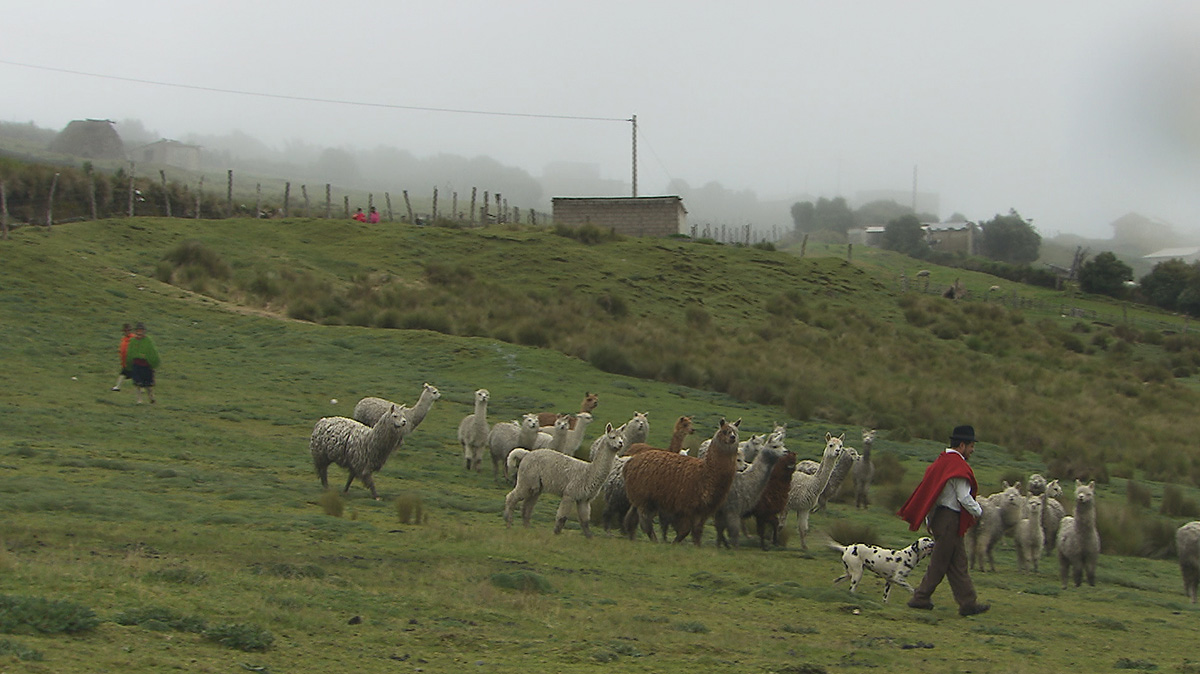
(1175, 504)
(846, 531)
(697, 318)
(888, 469)
(610, 358)
(331, 502)
(19, 650)
(1137, 494)
(588, 234)
(240, 636)
(410, 509)
(613, 304)
(424, 320)
(522, 581)
(28, 615)
(158, 618)
(199, 257)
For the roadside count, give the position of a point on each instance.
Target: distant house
(953, 237)
(632, 216)
(90, 139)
(171, 153)
(1189, 255)
(866, 236)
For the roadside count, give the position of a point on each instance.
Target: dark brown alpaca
(684, 489)
(774, 499)
(590, 401)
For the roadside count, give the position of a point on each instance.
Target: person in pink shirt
(373, 216)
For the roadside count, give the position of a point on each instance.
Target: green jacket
(142, 348)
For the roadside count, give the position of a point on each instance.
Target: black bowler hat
(962, 434)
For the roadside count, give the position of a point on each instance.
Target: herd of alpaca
(729, 481)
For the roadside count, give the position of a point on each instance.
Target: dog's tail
(834, 545)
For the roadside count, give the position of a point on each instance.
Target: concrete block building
(632, 216)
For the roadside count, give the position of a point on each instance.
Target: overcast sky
(1072, 112)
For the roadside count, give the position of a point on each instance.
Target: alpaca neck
(528, 435)
(418, 412)
(677, 439)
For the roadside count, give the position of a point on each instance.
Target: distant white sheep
(548, 471)
(473, 432)
(359, 448)
(1187, 542)
(1078, 538)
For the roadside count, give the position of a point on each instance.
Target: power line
(313, 99)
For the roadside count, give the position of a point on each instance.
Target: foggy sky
(1072, 112)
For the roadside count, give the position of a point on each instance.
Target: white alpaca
(1036, 484)
(1001, 512)
(556, 439)
(473, 432)
(548, 471)
(864, 472)
(579, 424)
(1187, 542)
(1028, 537)
(805, 489)
(356, 447)
(507, 436)
(634, 431)
(1052, 515)
(1078, 539)
(845, 464)
(368, 410)
(743, 495)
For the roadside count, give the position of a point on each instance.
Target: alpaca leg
(802, 529)
(1077, 573)
(720, 523)
(560, 517)
(629, 525)
(369, 482)
(531, 500)
(349, 479)
(584, 508)
(1091, 570)
(323, 473)
(510, 502)
(697, 532)
(1064, 569)
(646, 520)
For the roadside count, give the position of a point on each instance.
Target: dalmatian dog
(891, 565)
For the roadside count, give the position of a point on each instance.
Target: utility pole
(634, 121)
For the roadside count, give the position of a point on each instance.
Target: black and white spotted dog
(891, 565)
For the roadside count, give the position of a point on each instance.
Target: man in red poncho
(945, 503)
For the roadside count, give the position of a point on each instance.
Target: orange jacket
(125, 348)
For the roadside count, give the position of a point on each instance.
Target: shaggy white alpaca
(1001, 512)
(507, 436)
(864, 472)
(1052, 515)
(1187, 542)
(360, 449)
(1078, 539)
(805, 489)
(1028, 537)
(548, 471)
(1036, 485)
(473, 432)
(556, 439)
(634, 431)
(845, 464)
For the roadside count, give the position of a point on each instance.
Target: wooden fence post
(433, 213)
(328, 203)
(304, 193)
(257, 200)
(499, 213)
(454, 205)
(471, 215)
(131, 189)
(229, 196)
(370, 201)
(483, 210)
(346, 204)
(287, 197)
(166, 195)
(3, 211)
(387, 197)
(408, 206)
(50, 202)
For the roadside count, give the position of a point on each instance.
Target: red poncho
(924, 498)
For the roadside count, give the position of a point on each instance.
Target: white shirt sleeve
(962, 491)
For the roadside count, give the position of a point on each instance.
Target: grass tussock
(37, 615)
(410, 509)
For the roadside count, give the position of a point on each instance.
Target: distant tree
(1010, 238)
(880, 212)
(1105, 275)
(905, 235)
(804, 216)
(1164, 284)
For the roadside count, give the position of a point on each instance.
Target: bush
(241, 636)
(613, 304)
(202, 259)
(158, 618)
(31, 615)
(410, 509)
(888, 469)
(19, 650)
(588, 234)
(1175, 504)
(1137, 494)
(610, 358)
(522, 581)
(845, 531)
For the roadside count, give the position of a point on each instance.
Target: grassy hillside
(145, 521)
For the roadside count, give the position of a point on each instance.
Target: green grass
(196, 533)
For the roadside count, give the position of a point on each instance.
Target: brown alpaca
(684, 489)
(774, 499)
(683, 428)
(590, 401)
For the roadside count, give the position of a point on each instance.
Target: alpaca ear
(842, 436)
(738, 423)
(1092, 484)
(608, 428)
(828, 436)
